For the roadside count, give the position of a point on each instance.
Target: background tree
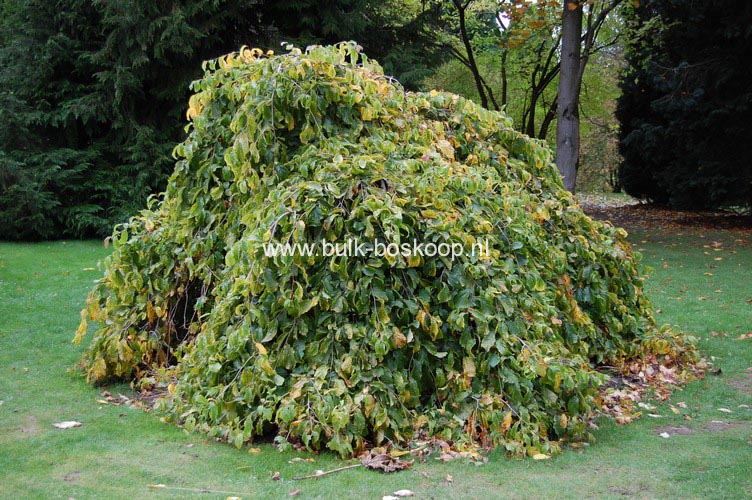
(92, 93)
(525, 38)
(576, 49)
(687, 104)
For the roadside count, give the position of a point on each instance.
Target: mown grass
(119, 452)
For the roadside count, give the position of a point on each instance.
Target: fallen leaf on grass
(725, 410)
(403, 493)
(541, 456)
(254, 451)
(109, 399)
(301, 459)
(399, 453)
(67, 425)
(295, 493)
(276, 476)
(383, 462)
(449, 479)
(743, 336)
(665, 435)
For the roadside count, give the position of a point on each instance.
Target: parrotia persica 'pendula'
(497, 348)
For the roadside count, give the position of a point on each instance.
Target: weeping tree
(226, 290)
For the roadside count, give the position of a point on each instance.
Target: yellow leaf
(507, 422)
(413, 260)
(150, 314)
(81, 331)
(421, 317)
(398, 453)
(541, 456)
(267, 367)
(261, 349)
(366, 113)
(297, 389)
(525, 354)
(93, 308)
(98, 370)
(563, 421)
(446, 149)
(468, 367)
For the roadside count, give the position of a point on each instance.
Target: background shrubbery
(92, 94)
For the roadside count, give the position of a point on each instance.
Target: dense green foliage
(92, 92)
(687, 104)
(496, 348)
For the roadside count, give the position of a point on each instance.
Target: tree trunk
(470, 56)
(568, 123)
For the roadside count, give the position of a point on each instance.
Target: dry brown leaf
(383, 462)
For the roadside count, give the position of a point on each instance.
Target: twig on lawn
(194, 490)
(324, 473)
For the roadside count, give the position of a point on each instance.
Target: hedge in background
(497, 349)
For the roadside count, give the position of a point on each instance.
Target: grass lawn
(702, 283)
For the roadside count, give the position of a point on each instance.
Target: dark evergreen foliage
(92, 94)
(686, 107)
